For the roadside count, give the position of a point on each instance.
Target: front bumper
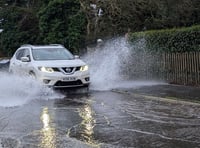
(60, 80)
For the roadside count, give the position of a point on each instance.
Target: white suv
(52, 64)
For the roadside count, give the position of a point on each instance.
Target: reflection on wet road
(87, 123)
(101, 119)
(48, 135)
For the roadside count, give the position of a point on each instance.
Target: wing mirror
(25, 59)
(76, 57)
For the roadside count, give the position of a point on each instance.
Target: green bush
(170, 40)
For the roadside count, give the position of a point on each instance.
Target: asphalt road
(145, 117)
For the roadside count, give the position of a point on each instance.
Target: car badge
(67, 70)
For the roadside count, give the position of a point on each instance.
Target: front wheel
(85, 89)
(32, 75)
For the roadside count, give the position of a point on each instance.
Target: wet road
(118, 118)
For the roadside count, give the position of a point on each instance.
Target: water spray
(116, 64)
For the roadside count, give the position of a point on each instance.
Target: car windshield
(40, 54)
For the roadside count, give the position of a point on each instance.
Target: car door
(26, 65)
(16, 61)
(18, 66)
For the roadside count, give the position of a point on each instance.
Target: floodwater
(130, 114)
(117, 111)
(101, 119)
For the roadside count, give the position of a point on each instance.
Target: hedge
(170, 40)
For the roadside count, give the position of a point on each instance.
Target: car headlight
(84, 68)
(46, 69)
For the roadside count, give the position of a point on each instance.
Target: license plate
(69, 79)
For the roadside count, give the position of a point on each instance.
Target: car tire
(85, 88)
(32, 75)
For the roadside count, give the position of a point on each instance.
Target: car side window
(20, 54)
(26, 53)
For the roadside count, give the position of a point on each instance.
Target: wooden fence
(181, 68)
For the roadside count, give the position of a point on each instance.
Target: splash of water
(114, 64)
(104, 63)
(17, 90)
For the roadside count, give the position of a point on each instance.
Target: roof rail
(25, 45)
(56, 44)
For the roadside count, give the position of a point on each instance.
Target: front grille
(56, 69)
(69, 70)
(70, 83)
